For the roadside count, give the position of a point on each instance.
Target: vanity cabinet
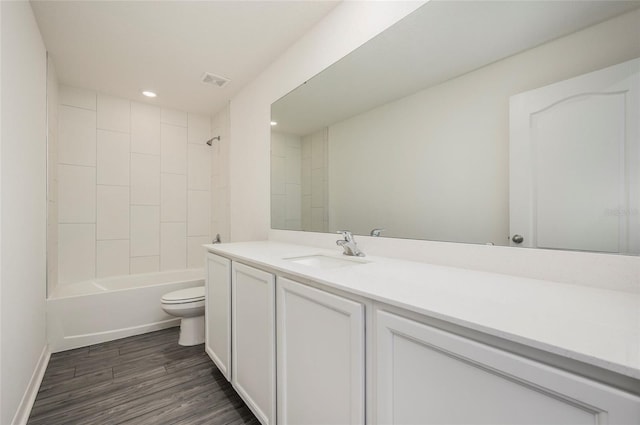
(336, 348)
(218, 312)
(321, 358)
(429, 376)
(253, 342)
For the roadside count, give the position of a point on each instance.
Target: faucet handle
(346, 234)
(376, 232)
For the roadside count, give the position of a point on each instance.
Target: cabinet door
(320, 356)
(218, 312)
(427, 376)
(253, 340)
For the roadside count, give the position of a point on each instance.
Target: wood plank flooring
(144, 379)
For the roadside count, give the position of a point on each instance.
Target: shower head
(210, 141)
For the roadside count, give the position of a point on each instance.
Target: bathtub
(90, 312)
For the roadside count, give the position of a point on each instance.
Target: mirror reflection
(509, 123)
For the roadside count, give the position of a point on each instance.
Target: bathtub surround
(286, 181)
(219, 182)
(23, 351)
(134, 187)
(299, 181)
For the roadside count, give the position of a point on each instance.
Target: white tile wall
(293, 202)
(118, 213)
(173, 198)
(173, 146)
(173, 246)
(199, 129)
(195, 251)
(286, 181)
(317, 151)
(314, 182)
(76, 252)
(112, 258)
(306, 212)
(278, 211)
(76, 194)
(80, 98)
(317, 219)
(293, 168)
(145, 231)
(220, 220)
(113, 212)
(199, 166)
(317, 188)
(113, 158)
(278, 164)
(173, 117)
(144, 264)
(76, 136)
(145, 179)
(198, 213)
(113, 113)
(306, 175)
(145, 128)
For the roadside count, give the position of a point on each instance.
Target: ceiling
(124, 47)
(437, 42)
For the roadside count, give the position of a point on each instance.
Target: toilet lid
(184, 295)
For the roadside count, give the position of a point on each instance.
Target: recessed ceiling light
(149, 93)
(274, 123)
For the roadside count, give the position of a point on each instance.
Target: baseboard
(29, 397)
(76, 341)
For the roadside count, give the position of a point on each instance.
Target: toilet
(188, 304)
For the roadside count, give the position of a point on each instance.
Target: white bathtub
(90, 312)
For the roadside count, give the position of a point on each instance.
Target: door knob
(518, 239)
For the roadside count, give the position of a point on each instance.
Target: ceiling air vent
(214, 80)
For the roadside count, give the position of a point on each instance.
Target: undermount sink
(324, 261)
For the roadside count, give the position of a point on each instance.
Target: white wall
(134, 187)
(345, 28)
(444, 151)
(23, 214)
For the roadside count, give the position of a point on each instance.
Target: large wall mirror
(500, 122)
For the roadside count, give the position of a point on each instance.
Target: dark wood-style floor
(144, 379)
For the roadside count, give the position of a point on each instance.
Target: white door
(321, 360)
(574, 163)
(428, 376)
(218, 312)
(253, 340)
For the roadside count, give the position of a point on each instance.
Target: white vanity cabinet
(253, 342)
(425, 375)
(321, 358)
(218, 312)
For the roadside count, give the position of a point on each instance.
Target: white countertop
(595, 326)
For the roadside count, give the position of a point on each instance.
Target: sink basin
(324, 261)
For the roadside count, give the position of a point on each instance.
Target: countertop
(596, 326)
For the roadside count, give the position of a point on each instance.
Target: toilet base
(191, 331)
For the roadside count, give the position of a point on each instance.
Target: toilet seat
(184, 296)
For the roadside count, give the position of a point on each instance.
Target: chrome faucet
(349, 244)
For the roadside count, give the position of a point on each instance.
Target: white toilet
(189, 305)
